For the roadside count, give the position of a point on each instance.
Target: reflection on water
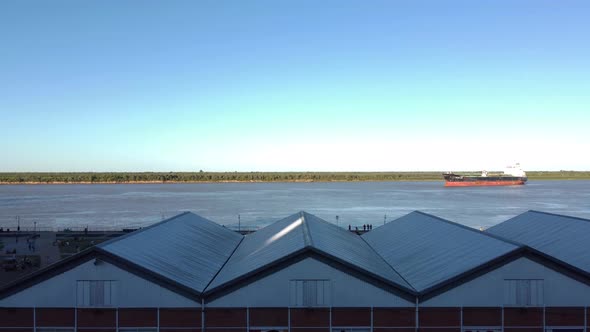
(356, 203)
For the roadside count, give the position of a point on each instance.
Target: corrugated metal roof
(294, 233)
(427, 250)
(351, 248)
(563, 237)
(264, 247)
(187, 249)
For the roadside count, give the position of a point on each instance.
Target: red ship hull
(483, 183)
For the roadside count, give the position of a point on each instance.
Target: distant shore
(249, 177)
(160, 182)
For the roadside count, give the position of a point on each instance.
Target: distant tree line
(173, 177)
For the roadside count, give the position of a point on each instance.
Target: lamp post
(17, 228)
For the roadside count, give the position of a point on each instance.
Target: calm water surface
(356, 203)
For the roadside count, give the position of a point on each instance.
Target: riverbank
(250, 177)
(152, 182)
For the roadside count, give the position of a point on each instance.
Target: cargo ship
(512, 176)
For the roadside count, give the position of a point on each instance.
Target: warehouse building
(303, 274)
(563, 237)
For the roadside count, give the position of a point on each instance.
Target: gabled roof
(427, 250)
(71, 262)
(186, 249)
(563, 237)
(299, 233)
(192, 255)
(350, 247)
(523, 251)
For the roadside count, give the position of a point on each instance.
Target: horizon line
(290, 171)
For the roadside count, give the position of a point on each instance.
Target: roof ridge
(392, 268)
(103, 244)
(224, 263)
(305, 228)
(469, 228)
(325, 222)
(396, 220)
(553, 214)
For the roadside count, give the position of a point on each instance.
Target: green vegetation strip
(176, 177)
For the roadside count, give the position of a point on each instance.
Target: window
(139, 329)
(51, 329)
(350, 329)
(523, 292)
(310, 293)
(96, 293)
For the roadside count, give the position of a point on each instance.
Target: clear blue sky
(294, 85)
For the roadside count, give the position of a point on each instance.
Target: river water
(118, 206)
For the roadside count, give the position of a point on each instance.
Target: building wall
(131, 290)
(489, 290)
(431, 319)
(274, 290)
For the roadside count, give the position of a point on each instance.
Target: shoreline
(209, 182)
(106, 178)
(31, 183)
